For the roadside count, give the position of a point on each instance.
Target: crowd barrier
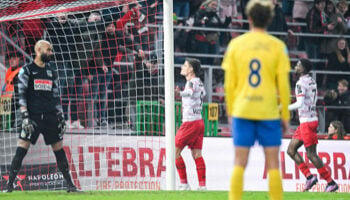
(150, 118)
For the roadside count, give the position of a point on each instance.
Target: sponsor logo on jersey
(49, 73)
(23, 134)
(42, 84)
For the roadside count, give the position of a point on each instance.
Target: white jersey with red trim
(306, 92)
(192, 100)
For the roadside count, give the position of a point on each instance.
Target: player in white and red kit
(306, 133)
(191, 131)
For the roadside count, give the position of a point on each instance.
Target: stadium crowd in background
(206, 42)
(60, 34)
(10, 88)
(315, 18)
(107, 60)
(336, 130)
(340, 98)
(338, 60)
(87, 46)
(103, 50)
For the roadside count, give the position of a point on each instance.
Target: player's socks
(236, 185)
(16, 164)
(305, 170)
(181, 170)
(275, 185)
(324, 173)
(62, 164)
(200, 165)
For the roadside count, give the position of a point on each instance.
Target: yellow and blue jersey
(257, 85)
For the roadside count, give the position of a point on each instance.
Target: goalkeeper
(41, 112)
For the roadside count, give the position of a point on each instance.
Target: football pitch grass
(164, 195)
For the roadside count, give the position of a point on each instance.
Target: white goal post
(169, 93)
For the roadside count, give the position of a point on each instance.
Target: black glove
(61, 123)
(28, 126)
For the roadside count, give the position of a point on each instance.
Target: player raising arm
(257, 67)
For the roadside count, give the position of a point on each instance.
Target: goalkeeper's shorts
(47, 124)
(267, 132)
(190, 134)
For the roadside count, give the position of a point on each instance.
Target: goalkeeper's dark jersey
(37, 89)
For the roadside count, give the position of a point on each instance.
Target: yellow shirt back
(257, 69)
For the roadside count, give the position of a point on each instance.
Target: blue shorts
(267, 132)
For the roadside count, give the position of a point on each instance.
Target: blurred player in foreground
(306, 133)
(191, 131)
(257, 69)
(41, 112)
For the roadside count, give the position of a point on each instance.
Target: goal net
(108, 55)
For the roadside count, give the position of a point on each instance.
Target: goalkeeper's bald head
(41, 44)
(43, 50)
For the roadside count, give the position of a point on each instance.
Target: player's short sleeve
(283, 61)
(283, 69)
(228, 67)
(227, 62)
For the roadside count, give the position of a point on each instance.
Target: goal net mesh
(108, 56)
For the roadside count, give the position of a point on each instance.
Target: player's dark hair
(319, 1)
(261, 12)
(307, 65)
(196, 65)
